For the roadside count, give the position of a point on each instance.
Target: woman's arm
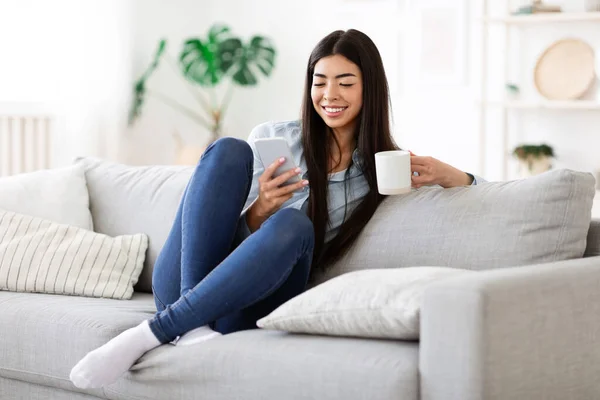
(435, 172)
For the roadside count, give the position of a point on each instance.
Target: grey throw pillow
(541, 219)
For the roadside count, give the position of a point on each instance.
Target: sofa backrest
(499, 224)
(544, 218)
(129, 199)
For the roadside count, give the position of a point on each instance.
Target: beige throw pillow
(42, 256)
(377, 303)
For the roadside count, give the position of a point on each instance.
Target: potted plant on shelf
(534, 159)
(205, 64)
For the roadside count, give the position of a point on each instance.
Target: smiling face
(337, 91)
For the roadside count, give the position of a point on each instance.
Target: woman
(220, 272)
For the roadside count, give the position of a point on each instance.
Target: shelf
(545, 18)
(554, 105)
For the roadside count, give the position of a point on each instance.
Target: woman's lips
(333, 112)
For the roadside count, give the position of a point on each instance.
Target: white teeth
(333, 110)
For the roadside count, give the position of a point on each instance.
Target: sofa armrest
(515, 333)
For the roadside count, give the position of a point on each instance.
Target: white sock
(197, 335)
(107, 363)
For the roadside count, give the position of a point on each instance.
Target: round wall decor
(565, 70)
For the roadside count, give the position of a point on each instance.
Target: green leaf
(218, 33)
(139, 88)
(263, 54)
(259, 53)
(245, 77)
(199, 64)
(527, 150)
(162, 45)
(230, 52)
(200, 60)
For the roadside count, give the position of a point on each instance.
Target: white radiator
(25, 140)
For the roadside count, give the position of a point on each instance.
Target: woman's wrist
(460, 178)
(253, 218)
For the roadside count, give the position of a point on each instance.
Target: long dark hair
(372, 135)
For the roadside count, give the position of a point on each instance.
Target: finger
(281, 179)
(419, 160)
(285, 190)
(420, 180)
(421, 169)
(270, 170)
(411, 153)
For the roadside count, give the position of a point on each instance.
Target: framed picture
(440, 41)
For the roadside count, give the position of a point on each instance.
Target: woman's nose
(330, 93)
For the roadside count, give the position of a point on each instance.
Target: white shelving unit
(545, 18)
(546, 104)
(511, 22)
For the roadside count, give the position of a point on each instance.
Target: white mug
(393, 172)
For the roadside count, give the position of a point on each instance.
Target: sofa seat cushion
(259, 364)
(43, 336)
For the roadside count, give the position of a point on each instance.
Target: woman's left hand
(434, 172)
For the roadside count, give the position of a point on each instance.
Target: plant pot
(186, 154)
(532, 165)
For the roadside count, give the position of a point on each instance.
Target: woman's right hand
(271, 195)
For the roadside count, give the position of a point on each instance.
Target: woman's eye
(346, 84)
(318, 84)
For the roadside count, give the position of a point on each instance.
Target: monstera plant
(206, 63)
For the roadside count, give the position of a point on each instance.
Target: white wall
(294, 27)
(83, 57)
(435, 120)
(73, 57)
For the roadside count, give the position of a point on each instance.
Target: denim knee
(230, 150)
(294, 224)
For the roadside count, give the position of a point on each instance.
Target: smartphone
(271, 149)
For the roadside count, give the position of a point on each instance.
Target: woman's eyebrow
(336, 77)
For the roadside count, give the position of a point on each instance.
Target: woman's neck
(344, 140)
(341, 149)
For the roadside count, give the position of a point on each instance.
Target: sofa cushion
(43, 337)
(496, 224)
(375, 303)
(258, 364)
(39, 255)
(29, 391)
(128, 200)
(63, 190)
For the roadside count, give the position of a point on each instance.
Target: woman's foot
(106, 364)
(197, 335)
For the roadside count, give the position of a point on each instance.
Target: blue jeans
(206, 273)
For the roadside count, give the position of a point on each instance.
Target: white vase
(532, 166)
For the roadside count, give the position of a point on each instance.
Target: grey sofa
(529, 332)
